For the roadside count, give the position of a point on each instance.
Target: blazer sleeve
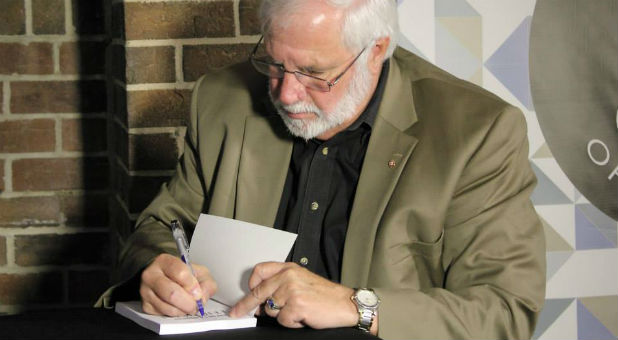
(182, 198)
(493, 255)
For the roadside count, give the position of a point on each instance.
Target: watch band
(365, 319)
(366, 313)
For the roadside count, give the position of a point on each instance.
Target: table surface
(96, 323)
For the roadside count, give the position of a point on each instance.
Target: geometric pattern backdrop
(487, 42)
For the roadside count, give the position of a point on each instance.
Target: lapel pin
(391, 163)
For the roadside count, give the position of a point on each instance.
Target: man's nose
(290, 89)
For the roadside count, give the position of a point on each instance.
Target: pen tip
(200, 308)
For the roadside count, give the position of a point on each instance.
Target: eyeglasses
(275, 70)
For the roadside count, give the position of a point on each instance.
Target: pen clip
(180, 236)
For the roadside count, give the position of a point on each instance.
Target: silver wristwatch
(367, 303)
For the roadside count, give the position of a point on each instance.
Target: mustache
(298, 107)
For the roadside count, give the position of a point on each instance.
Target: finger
(256, 297)
(272, 307)
(207, 283)
(151, 304)
(265, 274)
(179, 272)
(289, 319)
(265, 270)
(173, 294)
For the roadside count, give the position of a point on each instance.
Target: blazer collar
(390, 147)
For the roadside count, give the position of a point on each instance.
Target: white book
(215, 317)
(229, 249)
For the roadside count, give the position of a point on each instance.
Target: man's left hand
(304, 298)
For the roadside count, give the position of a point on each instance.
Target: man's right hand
(168, 288)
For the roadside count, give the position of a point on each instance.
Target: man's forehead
(309, 17)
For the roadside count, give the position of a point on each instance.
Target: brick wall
(54, 240)
(86, 140)
(160, 48)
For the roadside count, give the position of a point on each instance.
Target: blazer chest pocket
(425, 259)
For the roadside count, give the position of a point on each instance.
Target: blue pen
(183, 248)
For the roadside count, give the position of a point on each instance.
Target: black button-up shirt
(319, 191)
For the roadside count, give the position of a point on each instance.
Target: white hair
(364, 22)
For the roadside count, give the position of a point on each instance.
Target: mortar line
(28, 14)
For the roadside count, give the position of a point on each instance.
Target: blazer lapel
(264, 163)
(389, 148)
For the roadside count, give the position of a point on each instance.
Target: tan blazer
(448, 237)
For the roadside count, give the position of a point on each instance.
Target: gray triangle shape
(546, 192)
(551, 312)
(454, 8)
(555, 261)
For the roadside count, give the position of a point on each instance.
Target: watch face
(367, 297)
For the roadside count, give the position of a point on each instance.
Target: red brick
(86, 210)
(89, 135)
(88, 16)
(58, 96)
(19, 289)
(200, 58)
(1, 176)
(150, 64)
(33, 58)
(84, 57)
(12, 17)
(60, 174)
(179, 19)
(157, 151)
(156, 108)
(86, 286)
(63, 249)
(29, 211)
(31, 135)
(2, 251)
(248, 15)
(48, 16)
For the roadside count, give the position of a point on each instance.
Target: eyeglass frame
(330, 83)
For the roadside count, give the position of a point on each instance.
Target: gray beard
(344, 110)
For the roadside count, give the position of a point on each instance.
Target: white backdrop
(487, 42)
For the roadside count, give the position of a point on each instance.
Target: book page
(215, 317)
(230, 249)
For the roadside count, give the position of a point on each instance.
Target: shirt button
(314, 206)
(325, 151)
(304, 261)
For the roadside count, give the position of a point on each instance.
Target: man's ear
(377, 53)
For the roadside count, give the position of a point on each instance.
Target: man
(397, 177)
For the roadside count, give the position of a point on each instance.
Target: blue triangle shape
(510, 63)
(588, 327)
(546, 192)
(604, 223)
(587, 236)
